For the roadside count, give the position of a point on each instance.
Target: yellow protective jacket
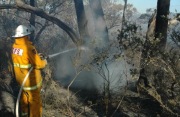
(24, 56)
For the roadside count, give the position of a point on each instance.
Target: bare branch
(39, 12)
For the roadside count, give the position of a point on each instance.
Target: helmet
(21, 31)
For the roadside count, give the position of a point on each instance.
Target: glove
(42, 56)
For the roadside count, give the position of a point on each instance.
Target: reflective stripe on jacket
(24, 114)
(22, 66)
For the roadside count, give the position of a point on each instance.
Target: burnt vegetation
(127, 71)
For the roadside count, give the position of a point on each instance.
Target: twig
(118, 106)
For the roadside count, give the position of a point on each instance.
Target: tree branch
(39, 12)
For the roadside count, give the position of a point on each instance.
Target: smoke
(67, 68)
(77, 64)
(96, 29)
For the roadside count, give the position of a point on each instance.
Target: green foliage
(130, 36)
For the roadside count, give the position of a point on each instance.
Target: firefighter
(25, 56)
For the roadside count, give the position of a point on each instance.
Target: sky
(142, 5)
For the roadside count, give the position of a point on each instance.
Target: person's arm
(35, 59)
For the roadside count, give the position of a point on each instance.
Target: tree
(81, 19)
(39, 12)
(158, 74)
(124, 10)
(156, 36)
(32, 19)
(123, 20)
(162, 23)
(101, 30)
(112, 13)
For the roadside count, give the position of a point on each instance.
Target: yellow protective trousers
(31, 104)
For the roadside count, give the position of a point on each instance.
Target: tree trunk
(101, 30)
(81, 20)
(156, 36)
(32, 19)
(155, 74)
(124, 11)
(123, 21)
(162, 23)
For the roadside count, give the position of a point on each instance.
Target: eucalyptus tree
(156, 36)
(20, 5)
(101, 30)
(112, 12)
(162, 23)
(158, 75)
(32, 18)
(81, 20)
(123, 19)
